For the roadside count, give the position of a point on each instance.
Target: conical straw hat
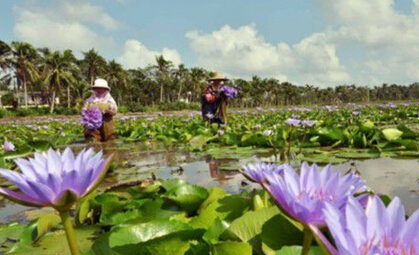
(217, 76)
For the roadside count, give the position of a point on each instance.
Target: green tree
(24, 63)
(163, 74)
(117, 78)
(93, 65)
(57, 71)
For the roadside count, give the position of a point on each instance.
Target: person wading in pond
(103, 100)
(214, 105)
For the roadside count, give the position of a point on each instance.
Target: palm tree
(24, 63)
(182, 77)
(71, 61)
(198, 79)
(117, 78)
(5, 56)
(93, 65)
(163, 67)
(57, 71)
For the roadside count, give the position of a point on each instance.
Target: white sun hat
(101, 83)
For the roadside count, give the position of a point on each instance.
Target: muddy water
(136, 161)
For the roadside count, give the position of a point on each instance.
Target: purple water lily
(293, 122)
(229, 92)
(303, 196)
(92, 118)
(8, 146)
(256, 172)
(55, 179)
(308, 123)
(267, 132)
(374, 230)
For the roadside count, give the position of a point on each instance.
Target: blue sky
(321, 42)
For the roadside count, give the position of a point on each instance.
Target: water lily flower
(293, 122)
(303, 196)
(256, 172)
(267, 132)
(8, 146)
(308, 123)
(92, 118)
(55, 179)
(229, 92)
(209, 115)
(392, 105)
(374, 230)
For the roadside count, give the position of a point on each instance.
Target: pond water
(137, 161)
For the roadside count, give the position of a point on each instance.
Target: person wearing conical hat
(103, 100)
(214, 106)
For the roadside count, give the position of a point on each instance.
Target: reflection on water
(136, 161)
(394, 177)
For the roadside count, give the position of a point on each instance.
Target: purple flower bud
(267, 132)
(8, 146)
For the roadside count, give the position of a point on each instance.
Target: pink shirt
(106, 98)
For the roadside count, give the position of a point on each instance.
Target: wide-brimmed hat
(217, 76)
(101, 83)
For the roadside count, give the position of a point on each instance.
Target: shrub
(3, 113)
(177, 106)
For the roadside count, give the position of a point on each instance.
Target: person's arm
(86, 104)
(113, 108)
(209, 96)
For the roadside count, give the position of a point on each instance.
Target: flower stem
(308, 239)
(69, 232)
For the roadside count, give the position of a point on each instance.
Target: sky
(318, 42)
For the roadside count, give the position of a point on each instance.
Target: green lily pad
(321, 159)
(296, 250)
(187, 197)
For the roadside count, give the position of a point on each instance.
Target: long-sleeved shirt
(106, 98)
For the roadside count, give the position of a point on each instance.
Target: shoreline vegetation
(32, 76)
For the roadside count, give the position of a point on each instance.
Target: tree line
(26, 69)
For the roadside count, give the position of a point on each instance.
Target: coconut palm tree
(198, 81)
(57, 72)
(182, 77)
(163, 73)
(93, 65)
(71, 61)
(5, 56)
(116, 77)
(25, 66)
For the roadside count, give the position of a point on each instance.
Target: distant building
(36, 98)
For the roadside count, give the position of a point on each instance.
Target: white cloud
(83, 11)
(390, 37)
(137, 55)
(242, 52)
(64, 24)
(388, 47)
